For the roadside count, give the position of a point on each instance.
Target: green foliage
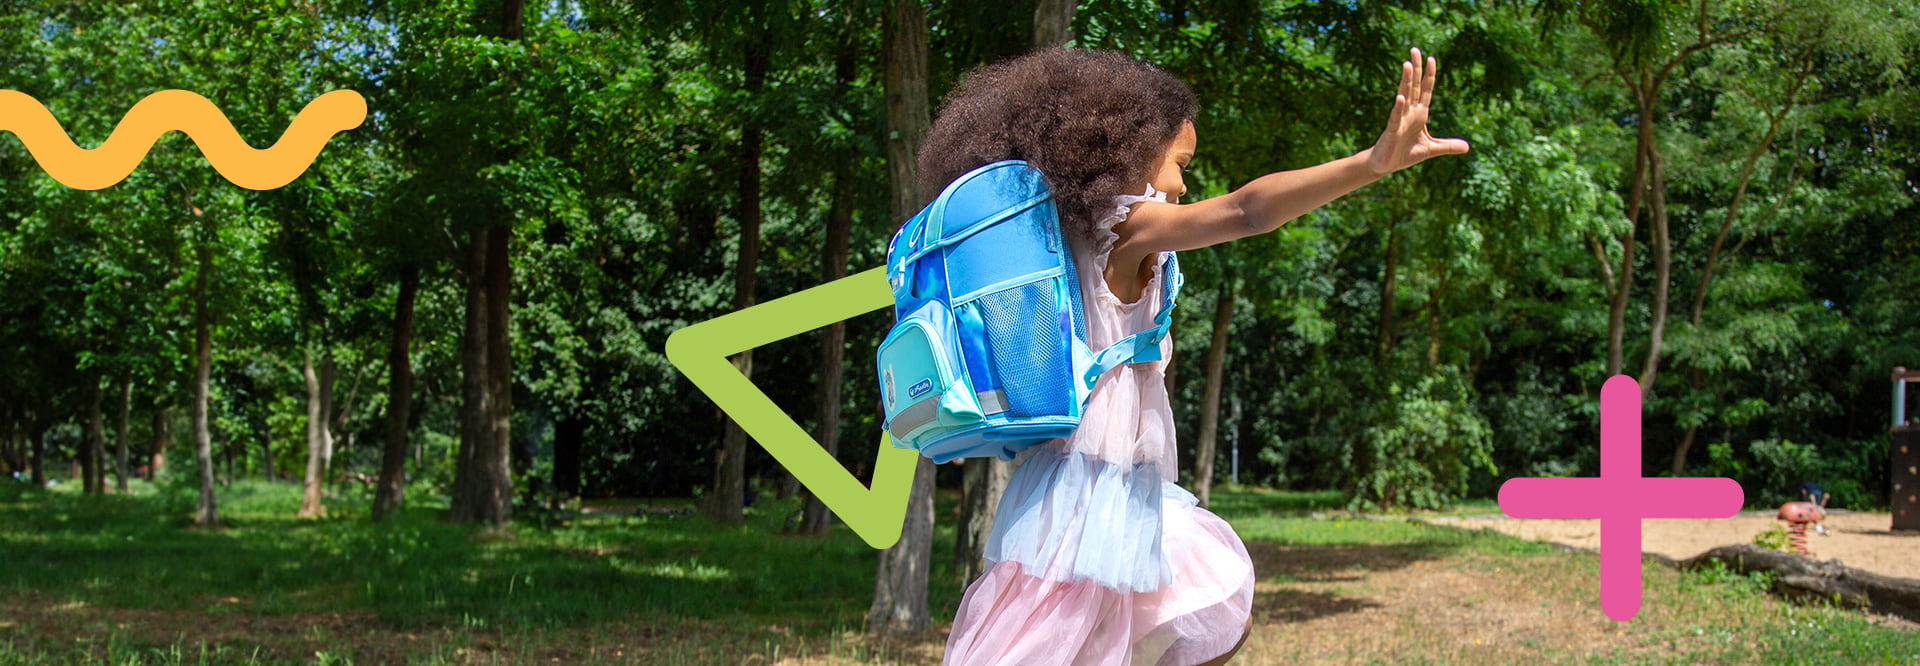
(1422, 446)
(1716, 572)
(608, 140)
(1776, 539)
(1771, 471)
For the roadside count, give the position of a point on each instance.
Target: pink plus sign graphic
(1620, 498)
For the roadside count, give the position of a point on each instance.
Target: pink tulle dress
(1096, 555)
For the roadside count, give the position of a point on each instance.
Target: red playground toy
(1798, 515)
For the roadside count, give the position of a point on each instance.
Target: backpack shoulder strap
(1144, 346)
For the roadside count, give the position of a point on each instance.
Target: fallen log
(1807, 578)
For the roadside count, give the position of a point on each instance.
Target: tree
(483, 486)
(390, 488)
(900, 585)
(1210, 405)
(319, 432)
(833, 266)
(727, 497)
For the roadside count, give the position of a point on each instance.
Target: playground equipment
(1905, 448)
(1798, 515)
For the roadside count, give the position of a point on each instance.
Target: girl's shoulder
(1103, 234)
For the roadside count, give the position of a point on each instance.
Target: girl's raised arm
(1275, 199)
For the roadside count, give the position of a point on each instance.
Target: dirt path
(1401, 603)
(1858, 540)
(1409, 604)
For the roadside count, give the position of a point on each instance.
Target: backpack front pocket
(920, 377)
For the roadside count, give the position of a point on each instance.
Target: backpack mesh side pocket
(1028, 334)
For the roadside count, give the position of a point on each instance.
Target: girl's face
(1169, 174)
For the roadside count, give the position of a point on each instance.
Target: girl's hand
(1405, 141)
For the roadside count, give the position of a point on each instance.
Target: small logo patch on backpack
(920, 388)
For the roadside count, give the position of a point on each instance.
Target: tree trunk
(1387, 325)
(474, 410)
(319, 434)
(833, 343)
(40, 457)
(18, 456)
(484, 479)
(566, 456)
(267, 463)
(1662, 271)
(1644, 96)
(162, 440)
(1433, 332)
(208, 515)
(1680, 451)
(1053, 22)
(16, 447)
(904, 61)
(228, 456)
(900, 584)
(498, 459)
(815, 518)
(390, 493)
(485, 493)
(120, 438)
(1210, 404)
(310, 506)
(727, 501)
(94, 440)
(1799, 576)
(483, 486)
(9, 457)
(900, 588)
(985, 479)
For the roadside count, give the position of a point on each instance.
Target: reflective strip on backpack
(992, 402)
(928, 409)
(914, 416)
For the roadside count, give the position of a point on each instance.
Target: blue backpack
(988, 354)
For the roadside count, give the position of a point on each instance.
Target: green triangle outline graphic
(700, 352)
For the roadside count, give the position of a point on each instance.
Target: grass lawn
(120, 579)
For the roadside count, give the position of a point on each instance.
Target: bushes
(1421, 446)
(1771, 470)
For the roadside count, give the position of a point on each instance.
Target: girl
(1096, 556)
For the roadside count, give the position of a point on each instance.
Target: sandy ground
(1858, 540)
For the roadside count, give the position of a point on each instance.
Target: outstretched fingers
(1407, 78)
(1450, 146)
(1420, 81)
(1426, 85)
(1406, 141)
(1398, 116)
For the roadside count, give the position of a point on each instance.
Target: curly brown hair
(1092, 122)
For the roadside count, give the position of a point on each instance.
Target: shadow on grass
(1297, 606)
(1288, 563)
(1336, 563)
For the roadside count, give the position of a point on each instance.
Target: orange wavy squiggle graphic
(191, 114)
